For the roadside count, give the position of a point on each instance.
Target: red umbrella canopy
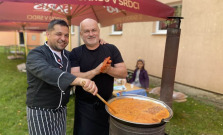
(11, 26)
(106, 12)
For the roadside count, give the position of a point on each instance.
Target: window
(117, 29)
(33, 37)
(21, 38)
(161, 25)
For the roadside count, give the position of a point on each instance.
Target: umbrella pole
(26, 49)
(18, 42)
(15, 46)
(69, 17)
(25, 44)
(69, 45)
(79, 37)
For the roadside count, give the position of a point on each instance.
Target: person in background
(49, 82)
(91, 117)
(140, 76)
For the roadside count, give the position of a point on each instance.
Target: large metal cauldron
(122, 127)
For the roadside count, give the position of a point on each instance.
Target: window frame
(157, 30)
(116, 32)
(72, 30)
(157, 23)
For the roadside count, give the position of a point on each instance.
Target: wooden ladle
(102, 99)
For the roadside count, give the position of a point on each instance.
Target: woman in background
(140, 76)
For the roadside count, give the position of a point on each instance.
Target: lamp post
(170, 60)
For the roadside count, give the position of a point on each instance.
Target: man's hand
(89, 86)
(106, 65)
(106, 68)
(102, 42)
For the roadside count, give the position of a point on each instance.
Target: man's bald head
(90, 33)
(88, 21)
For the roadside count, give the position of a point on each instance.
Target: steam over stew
(139, 111)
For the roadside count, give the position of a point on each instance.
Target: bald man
(91, 117)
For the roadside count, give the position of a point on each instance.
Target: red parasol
(12, 26)
(106, 12)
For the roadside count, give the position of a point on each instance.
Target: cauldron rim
(163, 121)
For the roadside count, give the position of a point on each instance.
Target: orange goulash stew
(138, 111)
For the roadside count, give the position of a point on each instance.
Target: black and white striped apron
(46, 121)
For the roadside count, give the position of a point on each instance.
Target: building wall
(33, 38)
(200, 57)
(200, 60)
(8, 38)
(75, 40)
(12, 38)
(137, 42)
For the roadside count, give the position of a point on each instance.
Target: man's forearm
(88, 75)
(76, 82)
(117, 72)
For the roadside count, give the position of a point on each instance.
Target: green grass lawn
(193, 117)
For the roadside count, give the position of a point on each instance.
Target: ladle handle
(102, 99)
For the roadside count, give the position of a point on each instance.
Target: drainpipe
(170, 60)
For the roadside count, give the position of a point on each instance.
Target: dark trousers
(91, 118)
(46, 121)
